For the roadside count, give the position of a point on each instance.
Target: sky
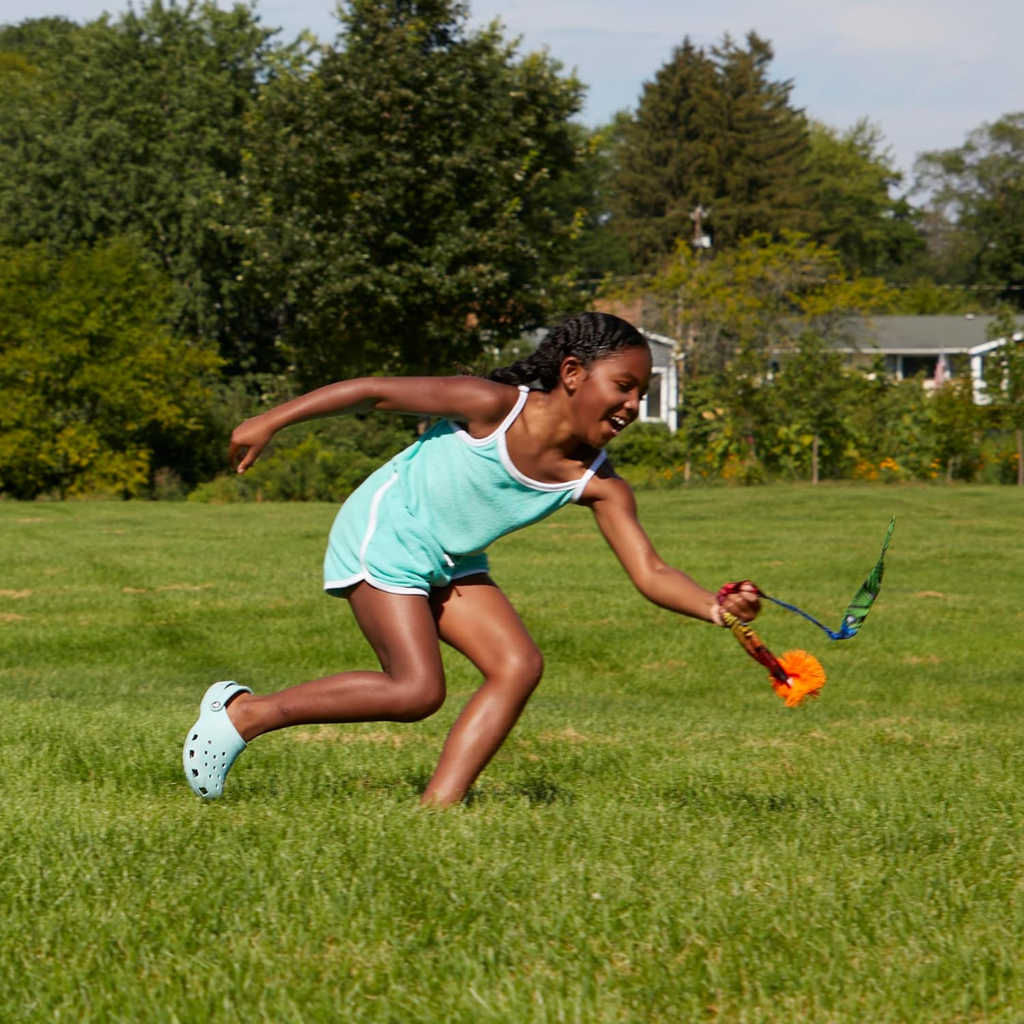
(926, 72)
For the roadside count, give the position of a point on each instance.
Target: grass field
(660, 839)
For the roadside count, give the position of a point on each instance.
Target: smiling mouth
(618, 423)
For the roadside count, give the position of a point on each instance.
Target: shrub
(93, 379)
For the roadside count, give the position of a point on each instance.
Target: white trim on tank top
(479, 442)
(576, 486)
(585, 479)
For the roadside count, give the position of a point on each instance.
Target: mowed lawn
(659, 840)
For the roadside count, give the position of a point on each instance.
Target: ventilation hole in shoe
(202, 789)
(195, 736)
(191, 754)
(195, 773)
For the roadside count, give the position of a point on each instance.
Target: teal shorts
(377, 540)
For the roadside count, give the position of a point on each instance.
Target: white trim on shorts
(366, 575)
(390, 588)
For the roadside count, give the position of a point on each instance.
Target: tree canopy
(136, 126)
(195, 202)
(403, 192)
(712, 130)
(977, 208)
(853, 178)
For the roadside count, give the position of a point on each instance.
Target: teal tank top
(467, 492)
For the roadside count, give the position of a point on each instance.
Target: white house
(661, 403)
(938, 346)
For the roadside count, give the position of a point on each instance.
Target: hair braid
(587, 336)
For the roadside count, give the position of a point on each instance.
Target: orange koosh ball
(806, 677)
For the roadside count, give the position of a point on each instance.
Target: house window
(652, 405)
(913, 365)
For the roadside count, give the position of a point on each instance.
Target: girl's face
(606, 394)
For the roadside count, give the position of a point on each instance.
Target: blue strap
(841, 635)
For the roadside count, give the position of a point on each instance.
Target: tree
(924, 297)
(93, 379)
(711, 130)
(667, 162)
(1004, 380)
(976, 208)
(853, 178)
(136, 126)
(403, 192)
(751, 309)
(810, 393)
(597, 249)
(956, 425)
(762, 181)
(757, 299)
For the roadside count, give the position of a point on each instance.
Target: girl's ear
(571, 373)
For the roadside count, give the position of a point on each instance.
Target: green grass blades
(659, 840)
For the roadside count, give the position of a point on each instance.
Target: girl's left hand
(741, 599)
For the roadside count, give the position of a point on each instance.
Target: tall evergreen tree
(668, 159)
(761, 181)
(712, 130)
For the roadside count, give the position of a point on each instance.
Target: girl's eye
(624, 386)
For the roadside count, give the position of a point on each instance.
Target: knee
(523, 668)
(533, 667)
(419, 696)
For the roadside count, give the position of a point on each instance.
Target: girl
(407, 549)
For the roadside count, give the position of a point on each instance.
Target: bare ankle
(438, 799)
(241, 717)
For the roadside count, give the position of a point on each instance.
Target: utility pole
(700, 242)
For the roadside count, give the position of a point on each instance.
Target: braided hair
(587, 336)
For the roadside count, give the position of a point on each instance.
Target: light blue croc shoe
(213, 743)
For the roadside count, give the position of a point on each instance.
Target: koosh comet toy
(798, 675)
(794, 676)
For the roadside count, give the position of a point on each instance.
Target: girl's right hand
(741, 599)
(248, 439)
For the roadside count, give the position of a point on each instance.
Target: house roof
(659, 339)
(919, 335)
(663, 349)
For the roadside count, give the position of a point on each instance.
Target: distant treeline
(197, 218)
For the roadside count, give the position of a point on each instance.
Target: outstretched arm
(473, 400)
(614, 506)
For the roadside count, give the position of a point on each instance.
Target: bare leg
(402, 632)
(476, 618)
